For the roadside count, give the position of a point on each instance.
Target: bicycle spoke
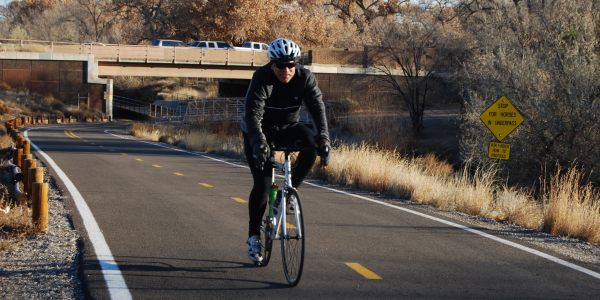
(266, 241)
(292, 245)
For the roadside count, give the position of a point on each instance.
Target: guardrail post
(27, 163)
(23, 158)
(19, 140)
(38, 175)
(39, 205)
(30, 175)
(26, 147)
(18, 158)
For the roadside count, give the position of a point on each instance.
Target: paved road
(176, 229)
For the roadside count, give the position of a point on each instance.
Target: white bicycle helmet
(283, 50)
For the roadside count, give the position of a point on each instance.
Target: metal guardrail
(212, 110)
(196, 111)
(223, 109)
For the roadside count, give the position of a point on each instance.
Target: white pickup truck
(249, 46)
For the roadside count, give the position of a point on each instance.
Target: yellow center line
(238, 200)
(139, 159)
(290, 226)
(206, 185)
(360, 269)
(178, 174)
(71, 134)
(157, 166)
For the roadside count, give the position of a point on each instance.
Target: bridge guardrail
(142, 53)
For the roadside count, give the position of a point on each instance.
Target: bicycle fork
(282, 216)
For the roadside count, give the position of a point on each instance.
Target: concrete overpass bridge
(103, 61)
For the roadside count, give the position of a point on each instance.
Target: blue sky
(3, 2)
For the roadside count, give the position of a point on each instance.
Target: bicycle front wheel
(292, 245)
(266, 230)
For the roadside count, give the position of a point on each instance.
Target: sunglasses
(281, 65)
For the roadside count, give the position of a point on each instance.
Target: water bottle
(272, 198)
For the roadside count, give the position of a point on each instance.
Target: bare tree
(54, 24)
(95, 17)
(414, 44)
(363, 13)
(150, 18)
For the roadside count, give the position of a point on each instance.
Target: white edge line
(471, 230)
(115, 282)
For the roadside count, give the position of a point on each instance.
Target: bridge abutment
(67, 77)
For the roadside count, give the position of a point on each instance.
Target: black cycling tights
(296, 133)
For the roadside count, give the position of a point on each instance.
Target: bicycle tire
(292, 246)
(266, 229)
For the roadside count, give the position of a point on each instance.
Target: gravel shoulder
(47, 266)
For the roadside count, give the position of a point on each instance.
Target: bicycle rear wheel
(292, 245)
(266, 229)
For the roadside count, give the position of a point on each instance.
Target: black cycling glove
(260, 154)
(324, 151)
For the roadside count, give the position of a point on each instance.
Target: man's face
(284, 71)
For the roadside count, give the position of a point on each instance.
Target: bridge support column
(108, 99)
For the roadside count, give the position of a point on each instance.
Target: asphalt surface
(176, 232)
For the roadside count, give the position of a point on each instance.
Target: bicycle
(284, 209)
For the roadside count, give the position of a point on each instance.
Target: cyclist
(273, 100)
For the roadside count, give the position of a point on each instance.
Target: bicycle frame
(281, 217)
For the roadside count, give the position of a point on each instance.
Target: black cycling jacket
(271, 103)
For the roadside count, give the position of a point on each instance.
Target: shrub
(544, 58)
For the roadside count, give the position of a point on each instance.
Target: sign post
(501, 118)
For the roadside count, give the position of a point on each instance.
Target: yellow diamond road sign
(501, 118)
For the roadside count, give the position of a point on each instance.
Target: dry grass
(423, 180)
(147, 131)
(572, 209)
(14, 226)
(5, 141)
(205, 140)
(567, 207)
(181, 93)
(518, 207)
(223, 138)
